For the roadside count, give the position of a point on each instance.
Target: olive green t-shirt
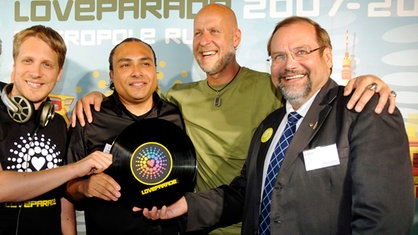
(221, 135)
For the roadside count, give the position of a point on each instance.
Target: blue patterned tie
(273, 170)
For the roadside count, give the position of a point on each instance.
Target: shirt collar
(303, 110)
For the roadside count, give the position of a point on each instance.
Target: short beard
(296, 99)
(220, 65)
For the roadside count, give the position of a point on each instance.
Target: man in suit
(343, 172)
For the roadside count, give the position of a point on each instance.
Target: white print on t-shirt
(33, 153)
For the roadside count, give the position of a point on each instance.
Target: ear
(328, 56)
(12, 76)
(59, 75)
(237, 38)
(111, 75)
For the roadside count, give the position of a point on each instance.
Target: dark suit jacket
(369, 192)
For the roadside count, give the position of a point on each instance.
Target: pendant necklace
(217, 101)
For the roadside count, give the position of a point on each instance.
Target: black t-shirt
(109, 217)
(24, 149)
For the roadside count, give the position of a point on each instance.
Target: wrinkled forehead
(215, 16)
(293, 36)
(133, 49)
(209, 21)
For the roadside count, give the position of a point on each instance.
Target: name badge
(321, 157)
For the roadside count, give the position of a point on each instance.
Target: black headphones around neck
(21, 110)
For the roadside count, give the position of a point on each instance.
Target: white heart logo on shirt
(38, 162)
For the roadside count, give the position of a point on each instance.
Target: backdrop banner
(369, 37)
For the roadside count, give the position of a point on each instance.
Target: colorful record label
(151, 163)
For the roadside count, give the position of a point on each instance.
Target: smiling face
(36, 70)
(299, 80)
(134, 75)
(216, 36)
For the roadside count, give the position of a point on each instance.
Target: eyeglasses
(298, 54)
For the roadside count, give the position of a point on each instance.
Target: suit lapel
(273, 122)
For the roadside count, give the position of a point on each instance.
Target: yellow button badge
(267, 135)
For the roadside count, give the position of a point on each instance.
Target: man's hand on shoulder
(82, 107)
(364, 88)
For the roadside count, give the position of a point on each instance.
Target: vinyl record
(154, 161)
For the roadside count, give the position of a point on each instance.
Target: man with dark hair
(133, 75)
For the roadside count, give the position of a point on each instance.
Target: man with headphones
(33, 141)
